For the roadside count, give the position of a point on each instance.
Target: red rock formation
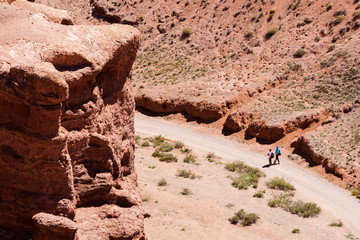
(66, 128)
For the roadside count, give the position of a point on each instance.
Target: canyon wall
(66, 127)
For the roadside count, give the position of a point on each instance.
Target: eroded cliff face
(66, 128)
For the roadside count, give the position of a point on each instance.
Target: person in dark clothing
(277, 154)
(270, 155)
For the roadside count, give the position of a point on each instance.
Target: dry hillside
(266, 69)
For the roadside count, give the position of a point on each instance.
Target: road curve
(331, 198)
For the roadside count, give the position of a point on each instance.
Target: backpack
(272, 154)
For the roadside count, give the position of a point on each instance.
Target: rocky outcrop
(237, 121)
(112, 12)
(66, 128)
(272, 132)
(349, 175)
(206, 111)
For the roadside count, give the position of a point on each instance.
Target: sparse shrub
(259, 194)
(305, 210)
(151, 166)
(162, 182)
(179, 144)
(356, 16)
(244, 181)
(279, 184)
(249, 34)
(299, 53)
(356, 192)
(298, 207)
(294, 66)
(186, 32)
(157, 140)
(271, 14)
(189, 158)
(250, 219)
(229, 205)
(186, 191)
(235, 166)
(211, 157)
(246, 219)
(145, 144)
(166, 147)
(156, 153)
(247, 175)
(329, 6)
(137, 139)
(317, 39)
(186, 174)
(308, 20)
(357, 6)
(331, 47)
(336, 224)
(168, 158)
(271, 32)
(338, 19)
(186, 150)
(282, 201)
(295, 230)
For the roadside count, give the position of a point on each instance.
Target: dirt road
(334, 201)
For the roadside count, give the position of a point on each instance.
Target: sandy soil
(203, 214)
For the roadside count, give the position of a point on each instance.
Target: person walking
(271, 156)
(277, 154)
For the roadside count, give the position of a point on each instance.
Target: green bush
(336, 224)
(186, 32)
(247, 175)
(137, 139)
(303, 209)
(259, 194)
(166, 147)
(295, 230)
(168, 158)
(162, 182)
(156, 153)
(186, 150)
(250, 218)
(245, 180)
(299, 53)
(271, 32)
(186, 174)
(179, 144)
(356, 192)
(282, 201)
(145, 144)
(279, 184)
(189, 158)
(246, 219)
(186, 191)
(298, 207)
(157, 140)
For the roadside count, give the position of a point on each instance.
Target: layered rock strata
(66, 128)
